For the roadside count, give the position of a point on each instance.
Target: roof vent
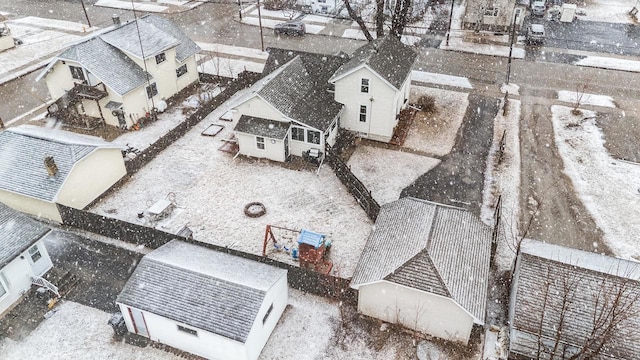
(51, 166)
(116, 20)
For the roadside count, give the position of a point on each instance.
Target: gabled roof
(585, 275)
(202, 288)
(262, 127)
(429, 247)
(186, 46)
(127, 38)
(23, 150)
(17, 233)
(387, 56)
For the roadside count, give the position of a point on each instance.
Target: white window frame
(179, 72)
(364, 85)
(309, 137)
(160, 58)
(81, 72)
(492, 12)
(260, 140)
(32, 254)
(150, 90)
(365, 113)
(298, 128)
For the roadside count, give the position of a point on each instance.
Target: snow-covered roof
(546, 274)
(262, 127)
(17, 233)
(203, 288)
(24, 148)
(430, 247)
(128, 38)
(186, 46)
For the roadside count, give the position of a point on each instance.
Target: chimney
(116, 20)
(51, 166)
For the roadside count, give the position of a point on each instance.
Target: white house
(23, 255)
(374, 87)
(205, 302)
(112, 79)
(494, 15)
(426, 267)
(290, 111)
(587, 301)
(41, 167)
(322, 7)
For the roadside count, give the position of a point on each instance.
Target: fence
(353, 184)
(298, 278)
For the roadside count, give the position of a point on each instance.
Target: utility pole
(511, 39)
(85, 12)
(450, 18)
(240, 6)
(260, 23)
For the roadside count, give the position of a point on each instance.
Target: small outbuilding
(426, 267)
(23, 256)
(205, 302)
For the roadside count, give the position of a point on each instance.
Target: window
(364, 85)
(181, 70)
(34, 252)
(363, 113)
(76, 72)
(161, 58)
(187, 330)
(152, 90)
(266, 316)
(297, 133)
(313, 136)
(260, 142)
(491, 12)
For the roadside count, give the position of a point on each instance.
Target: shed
(23, 255)
(40, 167)
(205, 302)
(426, 266)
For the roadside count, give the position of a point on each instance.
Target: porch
(65, 108)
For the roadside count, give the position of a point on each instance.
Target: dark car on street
(295, 28)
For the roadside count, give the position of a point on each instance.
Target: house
(497, 15)
(374, 87)
(426, 267)
(291, 111)
(119, 75)
(205, 302)
(323, 7)
(584, 300)
(23, 256)
(41, 167)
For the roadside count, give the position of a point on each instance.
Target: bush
(427, 103)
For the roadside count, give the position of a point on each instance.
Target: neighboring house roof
(23, 149)
(387, 56)
(262, 127)
(430, 247)
(202, 288)
(589, 278)
(17, 233)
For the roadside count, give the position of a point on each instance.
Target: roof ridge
(427, 257)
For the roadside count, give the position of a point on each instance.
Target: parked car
(538, 8)
(290, 28)
(535, 34)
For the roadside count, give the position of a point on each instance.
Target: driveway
(459, 179)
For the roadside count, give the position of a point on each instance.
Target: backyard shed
(205, 302)
(426, 267)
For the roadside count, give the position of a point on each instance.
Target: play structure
(308, 247)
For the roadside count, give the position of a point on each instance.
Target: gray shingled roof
(186, 48)
(585, 275)
(387, 56)
(127, 38)
(262, 127)
(430, 247)
(202, 288)
(111, 66)
(23, 150)
(17, 233)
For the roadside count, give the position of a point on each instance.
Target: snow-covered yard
(586, 99)
(613, 11)
(608, 188)
(458, 43)
(440, 79)
(610, 63)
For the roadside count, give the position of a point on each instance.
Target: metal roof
(430, 247)
(17, 233)
(202, 288)
(262, 127)
(387, 56)
(23, 150)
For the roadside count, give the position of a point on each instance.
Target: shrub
(427, 103)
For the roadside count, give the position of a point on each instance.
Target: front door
(139, 325)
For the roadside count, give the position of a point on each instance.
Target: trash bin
(118, 324)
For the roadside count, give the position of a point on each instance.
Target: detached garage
(205, 302)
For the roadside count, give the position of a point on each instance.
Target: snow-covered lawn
(270, 24)
(586, 99)
(436, 133)
(224, 66)
(457, 43)
(440, 79)
(608, 188)
(610, 63)
(238, 51)
(613, 11)
(212, 188)
(386, 172)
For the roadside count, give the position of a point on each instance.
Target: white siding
(190, 77)
(278, 296)
(29, 205)
(91, 176)
(299, 147)
(59, 79)
(257, 107)
(428, 313)
(248, 146)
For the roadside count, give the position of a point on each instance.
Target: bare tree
(581, 90)
(398, 15)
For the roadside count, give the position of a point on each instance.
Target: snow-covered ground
(613, 11)
(128, 5)
(457, 43)
(436, 133)
(440, 79)
(586, 99)
(386, 172)
(357, 34)
(270, 24)
(609, 189)
(610, 63)
(224, 66)
(230, 50)
(54, 23)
